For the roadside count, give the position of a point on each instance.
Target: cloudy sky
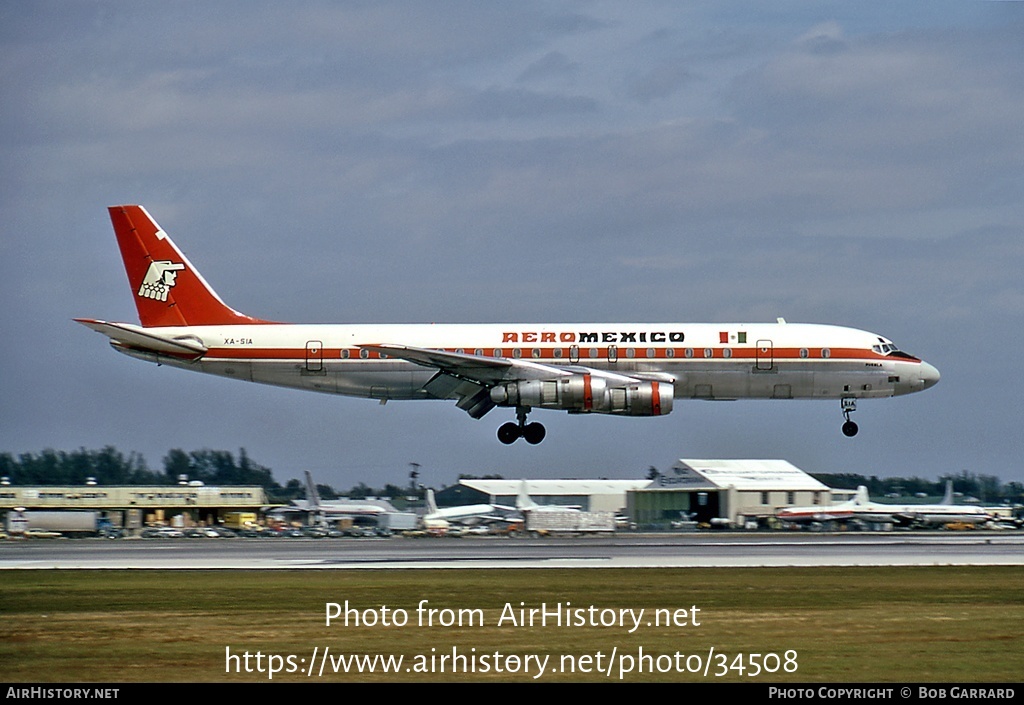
(852, 163)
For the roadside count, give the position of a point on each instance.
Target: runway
(704, 550)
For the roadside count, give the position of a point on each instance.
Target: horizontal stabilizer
(135, 337)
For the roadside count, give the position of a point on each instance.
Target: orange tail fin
(168, 290)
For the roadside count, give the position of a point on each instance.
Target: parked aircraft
(341, 508)
(324, 511)
(625, 369)
(525, 503)
(862, 508)
(466, 514)
(840, 513)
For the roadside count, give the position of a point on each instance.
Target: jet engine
(587, 393)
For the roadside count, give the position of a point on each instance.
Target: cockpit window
(892, 351)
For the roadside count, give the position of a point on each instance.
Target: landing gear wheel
(534, 433)
(508, 433)
(849, 406)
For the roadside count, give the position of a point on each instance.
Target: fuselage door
(314, 356)
(765, 356)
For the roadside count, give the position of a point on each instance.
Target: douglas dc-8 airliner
(625, 369)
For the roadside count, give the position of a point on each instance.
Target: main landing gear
(849, 406)
(509, 433)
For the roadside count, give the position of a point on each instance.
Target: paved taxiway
(620, 551)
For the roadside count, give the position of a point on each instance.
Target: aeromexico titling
(628, 369)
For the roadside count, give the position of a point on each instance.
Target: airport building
(694, 492)
(724, 492)
(588, 495)
(740, 492)
(130, 506)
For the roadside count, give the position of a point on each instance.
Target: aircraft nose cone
(929, 375)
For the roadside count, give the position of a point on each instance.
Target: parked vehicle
(71, 523)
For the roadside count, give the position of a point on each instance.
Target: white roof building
(743, 475)
(591, 495)
(737, 491)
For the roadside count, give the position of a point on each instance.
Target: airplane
(525, 503)
(841, 512)
(323, 511)
(437, 518)
(622, 369)
(862, 508)
(349, 508)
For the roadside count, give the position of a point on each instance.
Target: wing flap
(484, 371)
(461, 365)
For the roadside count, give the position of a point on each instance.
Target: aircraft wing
(488, 371)
(484, 371)
(467, 378)
(125, 335)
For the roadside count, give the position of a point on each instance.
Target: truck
(568, 522)
(67, 523)
(240, 520)
(397, 521)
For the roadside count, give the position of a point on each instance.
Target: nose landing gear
(849, 406)
(509, 433)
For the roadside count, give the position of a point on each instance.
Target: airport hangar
(732, 492)
(726, 492)
(132, 506)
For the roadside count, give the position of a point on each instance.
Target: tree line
(110, 466)
(986, 488)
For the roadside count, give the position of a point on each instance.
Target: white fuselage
(631, 369)
(921, 514)
(702, 360)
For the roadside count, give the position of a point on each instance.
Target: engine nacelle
(585, 393)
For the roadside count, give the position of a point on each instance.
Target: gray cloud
(468, 162)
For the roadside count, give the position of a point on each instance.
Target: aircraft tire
(508, 433)
(850, 429)
(534, 433)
